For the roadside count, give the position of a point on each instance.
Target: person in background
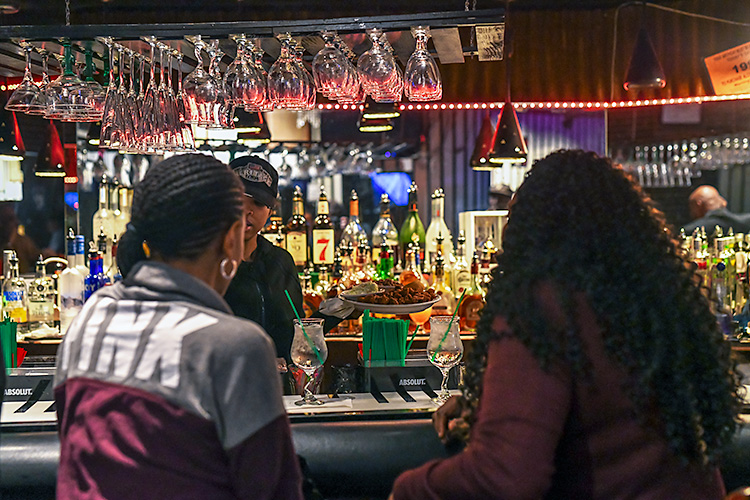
(267, 271)
(599, 371)
(499, 197)
(160, 391)
(709, 209)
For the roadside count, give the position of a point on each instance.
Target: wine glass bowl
(422, 76)
(23, 97)
(309, 352)
(444, 350)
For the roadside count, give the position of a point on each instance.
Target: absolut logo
(412, 381)
(18, 391)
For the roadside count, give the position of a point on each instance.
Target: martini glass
(39, 104)
(23, 97)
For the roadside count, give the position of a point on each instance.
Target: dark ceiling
(563, 49)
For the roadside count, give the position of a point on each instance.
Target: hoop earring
(146, 249)
(222, 268)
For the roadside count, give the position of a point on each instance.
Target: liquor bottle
(81, 261)
(437, 227)
(297, 231)
(447, 263)
(461, 270)
(411, 270)
(95, 279)
(323, 286)
(385, 263)
(274, 229)
(447, 303)
(104, 216)
(15, 298)
(348, 275)
(41, 301)
(70, 286)
(412, 226)
(102, 245)
(487, 264)
(323, 245)
(740, 255)
(353, 231)
(311, 299)
(122, 211)
(385, 230)
(473, 301)
(363, 268)
(113, 273)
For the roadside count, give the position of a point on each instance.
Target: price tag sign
(730, 70)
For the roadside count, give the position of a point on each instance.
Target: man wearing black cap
(257, 290)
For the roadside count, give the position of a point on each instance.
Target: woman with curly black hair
(598, 370)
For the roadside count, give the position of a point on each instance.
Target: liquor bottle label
(323, 246)
(296, 244)
(322, 207)
(462, 280)
(13, 296)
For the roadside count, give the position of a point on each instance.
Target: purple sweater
(546, 435)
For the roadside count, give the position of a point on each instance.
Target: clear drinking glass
(22, 98)
(221, 110)
(444, 350)
(68, 95)
(288, 86)
(309, 352)
(200, 89)
(261, 101)
(422, 76)
(379, 73)
(39, 104)
(334, 74)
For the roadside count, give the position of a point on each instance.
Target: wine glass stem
(444, 384)
(308, 390)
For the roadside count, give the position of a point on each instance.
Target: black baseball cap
(260, 179)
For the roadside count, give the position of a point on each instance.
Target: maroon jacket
(547, 435)
(162, 393)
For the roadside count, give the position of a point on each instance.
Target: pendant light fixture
(11, 143)
(645, 70)
(51, 159)
(480, 156)
(508, 145)
(252, 127)
(380, 110)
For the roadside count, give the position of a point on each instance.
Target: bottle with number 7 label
(323, 247)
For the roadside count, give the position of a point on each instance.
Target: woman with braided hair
(161, 392)
(598, 370)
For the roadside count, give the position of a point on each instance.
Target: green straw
(310, 342)
(450, 324)
(413, 336)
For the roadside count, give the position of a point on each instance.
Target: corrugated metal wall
(451, 136)
(567, 55)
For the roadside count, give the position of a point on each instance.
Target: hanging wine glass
(109, 135)
(422, 76)
(186, 130)
(379, 72)
(221, 112)
(98, 93)
(148, 129)
(68, 95)
(309, 83)
(200, 89)
(261, 100)
(40, 102)
(131, 98)
(331, 69)
(286, 80)
(22, 98)
(174, 125)
(238, 76)
(124, 117)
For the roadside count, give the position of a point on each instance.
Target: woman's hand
(450, 420)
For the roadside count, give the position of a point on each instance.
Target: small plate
(391, 308)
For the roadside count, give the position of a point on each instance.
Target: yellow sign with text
(730, 70)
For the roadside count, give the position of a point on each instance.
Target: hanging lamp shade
(93, 136)
(480, 156)
(508, 145)
(644, 70)
(380, 110)
(247, 122)
(253, 128)
(51, 159)
(11, 143)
